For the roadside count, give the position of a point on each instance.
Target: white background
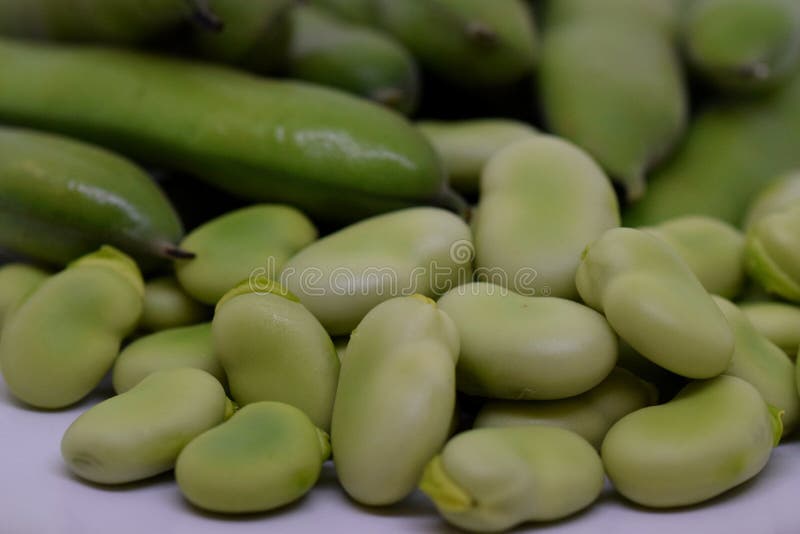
(39, 496)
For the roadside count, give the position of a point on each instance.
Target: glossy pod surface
(743, 45)
(777, 321)
(273, 349)
(344, 275)
(589, 415)
(465, 146)
(252, 241)
(773, 253)
(542, 201)
(468, 42)
(491, 479)
(395, 399)
(261, 139)
(516, 347)
(764, 365)
(17, 282)
(61, 199)
(139, 433)
(362, 61)
(713, 436)
(266, 455)
(713, 250)
(655, 303)
(166, 305)
(58, 345)
(188, 346)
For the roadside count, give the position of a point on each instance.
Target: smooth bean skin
(525, 348)
(63, 339)
(395, 399)
(542, 201)
(661, 14)
(359, 11)
(260, 139)
(17, 282)
(188, 346)
(266, 455)
(781, 195)
(772, 254)
(742, 45)
(240, 244)
(713, 436)
(273, 349)
(589, 415)
(467, 42)
(492, 479)
(139, 433)
(466, 145)
(166, 305)
(346, 274)
(333, 52)
(625, 102)
(763, 364)
(777, 321)
(655, 303)
(713, 249)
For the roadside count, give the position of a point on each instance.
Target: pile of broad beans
(497, 251)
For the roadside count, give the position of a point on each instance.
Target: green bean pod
(61, 199)
(166, 305)
(344, 275)
(358, 11)
(777, 321)
(253, 241)
(735, 146)
(713, 250)
(590, 415)
(273, 349)
(743, 45)
(523, 348)
(616, 89)
(655, 303)
(140, 433)
(492, 479)
(713, 436)
(188, 346)
(780, 195)
(395, 399)
(772, 256)
(254, 34)
(266, 455)
(60, 343)
(260, 139)
(118, 21)
(466, 146)
(659, 14)
(542, 201)
(761, 363)
(359, 60)
(468, 42)
(17, 282)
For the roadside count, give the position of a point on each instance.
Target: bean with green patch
(166, 305)
(266, 455)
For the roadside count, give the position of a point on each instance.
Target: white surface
(39, 496)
